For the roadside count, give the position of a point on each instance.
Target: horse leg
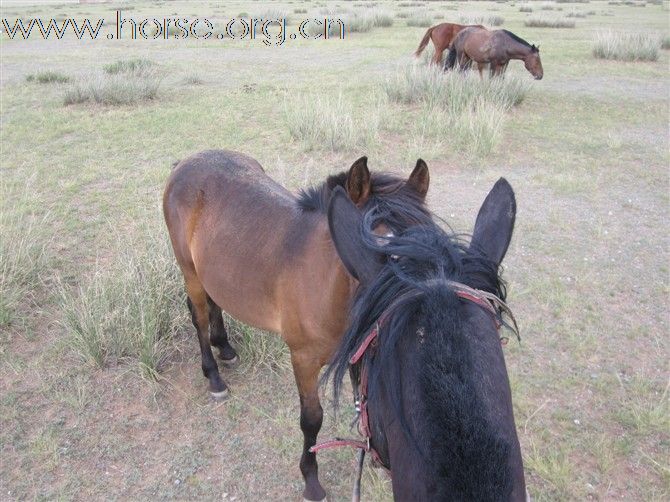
(480, 67)
(437, 57)
(197, 304)
(218, 336)
(306, 371)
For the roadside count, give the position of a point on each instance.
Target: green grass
(48, 77)
(80, 200)
(24, 254)
(625, 46)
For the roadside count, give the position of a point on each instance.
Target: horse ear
(420, 179)
(346, 228)
(495, 222)
(358, 182)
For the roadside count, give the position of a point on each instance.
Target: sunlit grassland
(586, 151)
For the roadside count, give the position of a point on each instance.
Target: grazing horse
(441, 35)
(248, 246)
(495, 48)
(425, 355)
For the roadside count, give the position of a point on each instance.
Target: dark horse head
(439, 400)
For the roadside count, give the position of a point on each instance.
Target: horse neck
(325, 278)
(517, 50)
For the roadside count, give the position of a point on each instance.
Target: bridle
(359, 371)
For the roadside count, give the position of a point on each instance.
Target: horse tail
(424, 41)
(451, 58)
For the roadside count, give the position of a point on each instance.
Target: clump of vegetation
(300, 11)
(420, 20)
(493, 20)
(113, 90)
(321, 123)
(576, 13)
(48, 77)
(472, 109)
(540, 22)
(193, 80)
(665, 42)
(526, 8)
(127, 310)
(23, 254)
(136, 66)
(625, 46)
(124, 82)
(381, 19)
(273, 14)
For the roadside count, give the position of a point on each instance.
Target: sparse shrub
(421, 20)
(328, 124)
(402, 15)
(625, 46)
(113, 89)
(526, 8)
(300, 11)
(127, 310)
(48, 77)
(547, 6)
(665, 42)
(576, 14)
(539, 22)
(129, 66)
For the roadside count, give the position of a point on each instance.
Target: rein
(493, 305)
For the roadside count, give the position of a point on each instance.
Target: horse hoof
(219, 396)
(231, 363)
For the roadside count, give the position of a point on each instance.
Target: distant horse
(441, 35)
(496, 48)
(247, 245)
(425, 357)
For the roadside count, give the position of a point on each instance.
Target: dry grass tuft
(625, 46)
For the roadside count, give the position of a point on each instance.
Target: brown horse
(247, 245)
(441, 35)
(495, 48)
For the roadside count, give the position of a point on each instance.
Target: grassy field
(101, 393)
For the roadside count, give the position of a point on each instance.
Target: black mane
(419, 262)
(519, 39)
(393, 201)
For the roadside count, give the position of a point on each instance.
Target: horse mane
(518, 39)
(419, 262)
(393, 202)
